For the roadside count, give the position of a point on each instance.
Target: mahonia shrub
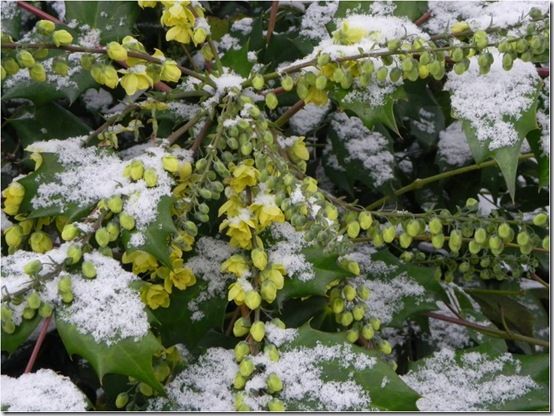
(251, 206)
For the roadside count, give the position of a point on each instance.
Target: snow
(287, 251)
(446, 334)
(117, 310)
(97, 100)
(370, 148)
(315, 18)
(279, 336)
(501, 95)
(308, 119)
(471, 383)
(243, 26)
(43, 391)
(452, 146)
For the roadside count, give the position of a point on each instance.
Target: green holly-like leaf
(157, 233)
(176, 323)
(543, 160)
(325, 269)
(506, 157)
(408, 304)
(10, 342)
(50, 121)
(115, 19)
(237, 60)
(46, 173)
(386, 390)
(410, 9)
(127, 357)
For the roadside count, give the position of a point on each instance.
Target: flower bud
(358, 312)
(45, 27)
(405, 240)
(67, 297)
(321, 82)
(258, 82)
(389, 233)
(274, 383)
(88, 269)
(375, 323)
(323, 59)
(113, 230)
(413, 228)
(276, 405)
(385, 347)
(241, 350)
(352, 335)
(33, 267)
(272, 352)
(239, 382)
(346, 318)
(246, 367)
(25, 59)
(271, 101)
(60, 67)
(8, 327)
(546, 243)
(353, 229)
(136, 170)
(102, 237)
(252, 299)
(268, 291)
(241, 327)
(337, 305)
(74, 254)
(62, 37)
(435, 226)
(29, 313)
(540, 219)
(522, 238)
(45, 310)
(349, 292)
(480, 39)
(33, 301)
(287, 83)
(368, 332)
(126, 221)
(13, 236)
(69, 232)
(474, 247)
(199, 36)
(87, 61)
(259, 258)
(145, 389)
(459, 28)
(40, 242)
(10, 65)
(115, 204)
(121, 400)
(437, 241)
(170, 163)
(381, 74)
(116, 51)
(455, 241)
(257, 330)
(363, 292)
(37, 73)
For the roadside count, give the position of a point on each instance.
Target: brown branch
(38, 344)
(295, 108)
(111, 121)
(201, 136)
(234, 317)
(173, 137)
(272, 19)
(37, 12)
(423, 18)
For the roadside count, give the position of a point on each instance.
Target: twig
(489, 331)
(234, 317)
(419, 183)
(423, 18)
(272, 20)
(295, 108)
(536, 278)
(111, 121)
(37, 12)
(173, 137)
(38, 344)
(203, 133)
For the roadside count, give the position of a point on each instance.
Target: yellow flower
(182, 278)
(131, 44)
(231, 207)
(347, 35)
(14, 194)
(170, 71)
(178, 14)
(116, 51)
(147, 3)
(179, 33)
(239, 230)
(244, 175)
(62, 37)
(135, 79)
(299, 151)
(155, 296)
(268, 214)
(236, 293)
(110, 76)
(235, 264)
(318, 97)
(142, 261)
(40, 242)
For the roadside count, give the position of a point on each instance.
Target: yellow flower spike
(170, 71)
(268, 214)
(116, 51)
(14, 194)
(347, 35)
(155, 296)
(236, 264)
(244, 175)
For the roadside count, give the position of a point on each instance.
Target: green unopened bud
(346, 318)
(25, 59)
(504, 231)
(375, 323)
(495, 243)
(377, 240)
(389, 233)
(115, 204)
(13, 236)
(10, 65)
(246, 367)
(252, 299)
(365, 219)
(472, 203)
(393, 44)
(33, 301)
(413, 228)
(323, 59)
(8, 327)
(271, 101)
(258, 82)
(287, 83)
(150, 177)
(349, 292)
(352, 335)
(29, 313)
(241, 350)
(358, 312)
(257, 330)
(241, 327)
(540, 219)
(455, 240)
(385, 347)
(170, 163)
(113, 230)
(276, 405)
(435, 226)
(272, 352)
(88, 269)
(321, 82)
(87, 61)
(64, 284)
(121, 400)
(458, 28)
(381, 74)
(60, 67)
(102, 237)
(474, 247)
(368, 332)
(69, 232)
(337, 305)
(37, 73)
(405, 240)
(522, 238)
(353, 229)
(363, 292)
(546, 243)
(239, 382)
(480, 235)
(438, 241)
(33, 267)
(45, 310)
(62, 37)
(480, 39)
(274, 383)
(259, 258)
(45, 27)
(126, 221)
(40, 242)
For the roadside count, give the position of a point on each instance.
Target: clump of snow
(317, 15)
(472, 382)
(370, 148)
(288, 251)
(452, 147)
(445, 334)
(243, 26)
(503, 96)
(90, 174)
(308, 119)
(279, 336)
(105, 307)
(97, 100)
(43, 391)
(210, 253)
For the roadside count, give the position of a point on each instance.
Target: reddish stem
(423, 18)
(272, 19)
(38, 344)
(38, 13)
(543, 72)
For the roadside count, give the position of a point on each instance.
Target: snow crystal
(315, 18)
(469, 384)
(370, 148)
(59, 8)
(502, 95)
(452, 147)
(117, 310)
(97, 100)
(43, 391)
(287, 251)
(382, 8)
(243, 26)
(445, 334)
(279, 336)
(308, 119)
(228, 42)
(210, 253)
(544, 122)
